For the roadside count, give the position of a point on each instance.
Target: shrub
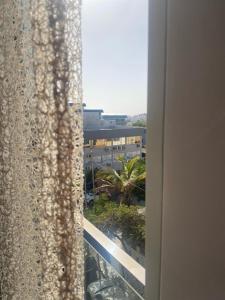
(118, 221)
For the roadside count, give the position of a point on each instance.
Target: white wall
(186, 226)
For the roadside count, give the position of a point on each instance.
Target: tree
(125, 223)
(139, 123)
(118, 221)
(122, 183)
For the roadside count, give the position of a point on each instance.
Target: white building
(94, 119)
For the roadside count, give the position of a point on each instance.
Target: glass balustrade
(106, 278)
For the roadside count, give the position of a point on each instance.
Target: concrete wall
(92, 119)
(186, 225)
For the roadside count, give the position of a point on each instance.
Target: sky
(114, 37)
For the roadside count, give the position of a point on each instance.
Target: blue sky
(114, 34)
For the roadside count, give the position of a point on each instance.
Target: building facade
(94, 119)
(103, 147)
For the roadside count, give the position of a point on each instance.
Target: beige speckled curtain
(41, 254)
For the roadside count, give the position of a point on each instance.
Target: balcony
(110, 273)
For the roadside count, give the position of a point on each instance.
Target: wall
(92, 119)
(186, 247)
(107, 156)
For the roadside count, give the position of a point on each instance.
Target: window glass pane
(115, 96)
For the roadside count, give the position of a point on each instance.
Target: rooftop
(94, 110)
(109, 117)
(114, 133)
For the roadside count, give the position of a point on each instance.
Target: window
(119, 141)
(133, 140)
(103, 142)
(115, 80)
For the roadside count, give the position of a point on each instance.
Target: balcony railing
(110, 273)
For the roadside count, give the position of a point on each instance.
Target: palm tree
(122, 182)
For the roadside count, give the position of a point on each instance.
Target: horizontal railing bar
(112, 251)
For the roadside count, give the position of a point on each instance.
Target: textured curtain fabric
(41, 253)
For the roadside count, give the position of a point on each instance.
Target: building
(106, 137)
(94, 119)
(115, 120)
(102, 147)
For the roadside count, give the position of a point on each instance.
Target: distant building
(94, 119)
(115, 120)
(106, 137)
(102, 147)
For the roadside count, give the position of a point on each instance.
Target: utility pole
(112, 156)
(85, 187)
(92, 168)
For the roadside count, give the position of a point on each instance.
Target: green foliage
(139, 123)
(101, 205)
(121, 221)
(123, 183)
